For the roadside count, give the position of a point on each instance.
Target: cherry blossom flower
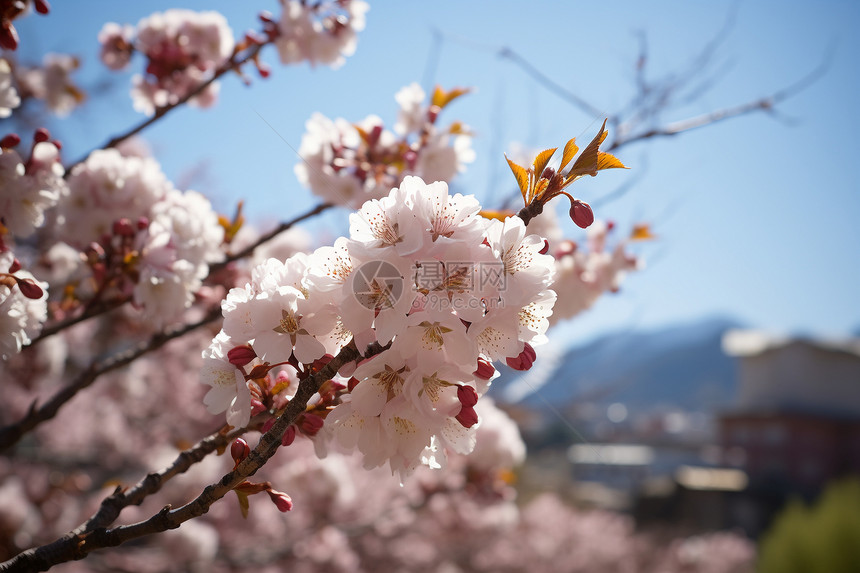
(9, 99)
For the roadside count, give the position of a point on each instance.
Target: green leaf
(570, 150)
(522, 177)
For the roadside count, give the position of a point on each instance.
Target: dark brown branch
(75, 545)
(234, 63)
(9, 435)
(286, 225)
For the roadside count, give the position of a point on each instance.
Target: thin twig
(77, 545)
(234, 63)
(9, 435)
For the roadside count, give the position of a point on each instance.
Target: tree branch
(77, 545)
(9, 435)
(234, 63)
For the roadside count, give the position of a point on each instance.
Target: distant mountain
(677, 367)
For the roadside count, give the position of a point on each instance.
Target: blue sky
(757, 219)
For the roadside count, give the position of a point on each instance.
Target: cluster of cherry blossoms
(347, 164)
(183, 48)
(141, 237)
(441, 289)
(320, 32)
(50, 82)
(23, 306)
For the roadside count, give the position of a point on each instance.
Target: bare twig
(9, 435)
(78, 544)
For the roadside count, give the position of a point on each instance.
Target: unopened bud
(467, 395)
(267, 425)
(30, 289)
(41, 134)
(581, 213)
(524, 360)
(281, 500)
(257, 407)
(15, 266)
(353, 382)
(289, 435)
(9, 141)
(42, 6)
(610, 225)
(8, 36)
(467, 417)
(485, 369)
(240, 450)
(123, 228)
(545, 249)
(310, 424)
(241, 355)
(142, 223)
(57, 143)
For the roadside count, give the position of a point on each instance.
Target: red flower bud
(310, 424)
(241, 355)
(545, 249)
(467, 417)
(467, 395)
(30, 289)
(581, 213)
(142, 223)
(267, 425)
(11, 140)
(41, 134)
(56, 143)
(123, 228)
(15, 266)
(8, 36)
(240, 450)
(524, 360)
(289, 435)
(485, 369)
(281, 500)
(42, 6)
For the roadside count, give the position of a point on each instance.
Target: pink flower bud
(15, 266)
(467, 395)
(281, 500)
(485, 369)
(11, 140)
(240, 450)
(257, 407)
(581, 213)
(41, 134)
(30, 289)
(142, 223)
(267, 425)
(289, 435)
(467, 417)
(241, 355)
(310, 424)
(123, 228)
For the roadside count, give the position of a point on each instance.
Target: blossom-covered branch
(9, 435)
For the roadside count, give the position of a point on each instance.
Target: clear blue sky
(757, 219)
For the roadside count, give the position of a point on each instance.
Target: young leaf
(522, 177)
(243, 503)
(441, 98)
(542, 159)
(642, 232)
(500, 215)
(570, 150)
(586, 164)
(540, 187)
(608, 161)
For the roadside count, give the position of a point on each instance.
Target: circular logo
(377, 285)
